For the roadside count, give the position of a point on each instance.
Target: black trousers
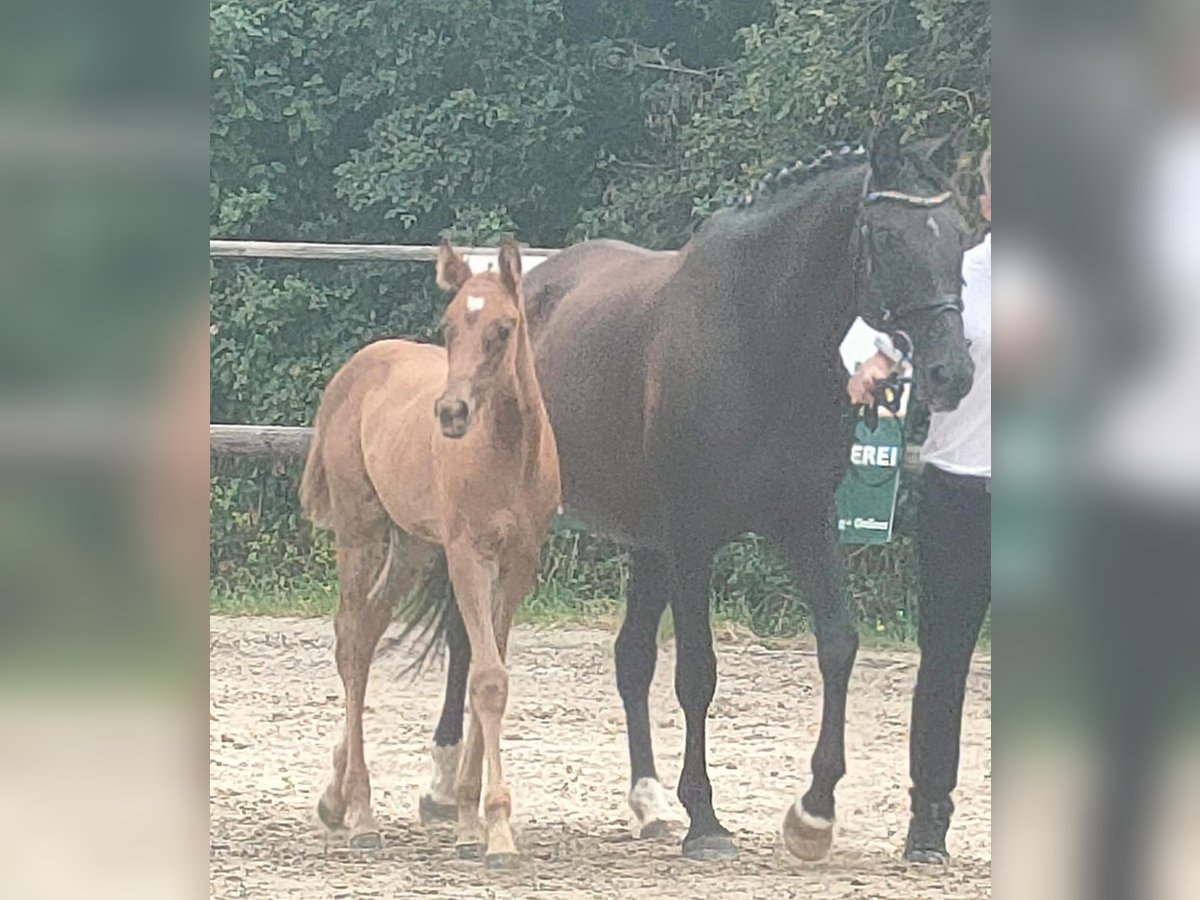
(954, 545)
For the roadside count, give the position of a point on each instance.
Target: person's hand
(861, 386)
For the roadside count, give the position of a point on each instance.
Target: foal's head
(910, 241)
(481, 328)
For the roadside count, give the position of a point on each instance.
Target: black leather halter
(942, 303)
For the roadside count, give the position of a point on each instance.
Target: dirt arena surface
(276, 710)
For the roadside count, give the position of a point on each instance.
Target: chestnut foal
(420, 451)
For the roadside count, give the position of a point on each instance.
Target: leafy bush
(401, 120)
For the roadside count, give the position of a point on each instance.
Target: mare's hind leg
(808, 823)
(636, 655)
(439, 803)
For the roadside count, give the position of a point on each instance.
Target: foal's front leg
(476, 587)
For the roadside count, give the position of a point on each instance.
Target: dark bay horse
(698, 395)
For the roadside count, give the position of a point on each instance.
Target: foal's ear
(884, 150)
(509, 265)
(452, 269)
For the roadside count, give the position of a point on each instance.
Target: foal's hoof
(806, 836)
(366, 840)
(431, 812)
(330, 819)
(469, 850)
(499, 862)
(710, 848)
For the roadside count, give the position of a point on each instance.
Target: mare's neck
(792, 273)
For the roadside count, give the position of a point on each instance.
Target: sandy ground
(276, 710)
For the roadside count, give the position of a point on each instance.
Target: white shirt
(960, 441)
(1149, 434)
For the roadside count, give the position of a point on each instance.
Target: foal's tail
(429, 614)
(314, 486)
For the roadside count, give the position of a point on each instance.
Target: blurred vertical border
(103, 459)
(1097, 501)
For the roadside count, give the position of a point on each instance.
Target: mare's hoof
(469, 850)
(710, 848)
(806, 836)
(329, 819)
(431, 812)
(926, 856)
(366, 840)
(652, 830)
(498, 862)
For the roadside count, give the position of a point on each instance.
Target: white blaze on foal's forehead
(475, 304)
(933, 226)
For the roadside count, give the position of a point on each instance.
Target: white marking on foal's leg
(810, 820)
(445, 773)
(386, 568)
(649, 803)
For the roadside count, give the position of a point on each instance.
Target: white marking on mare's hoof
(651, 809)
(806, 836)
(444, 773)
(820, 823)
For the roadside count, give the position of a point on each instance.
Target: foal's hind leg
(373, 577)
(361, 617)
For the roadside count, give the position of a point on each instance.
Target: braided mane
(798, 173)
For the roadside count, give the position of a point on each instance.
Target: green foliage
(402, 120)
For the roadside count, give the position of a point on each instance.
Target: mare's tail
(429, 613)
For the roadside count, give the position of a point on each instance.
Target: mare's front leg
(695, 683)
(636, 655)
(817, 565)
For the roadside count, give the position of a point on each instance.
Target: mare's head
(910, 240)
(480, 327)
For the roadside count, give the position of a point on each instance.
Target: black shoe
(927, 829)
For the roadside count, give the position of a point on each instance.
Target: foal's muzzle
(454, 416)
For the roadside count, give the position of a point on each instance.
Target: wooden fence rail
(287, 443)
(348, 252)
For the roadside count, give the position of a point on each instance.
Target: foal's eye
(496, 336)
